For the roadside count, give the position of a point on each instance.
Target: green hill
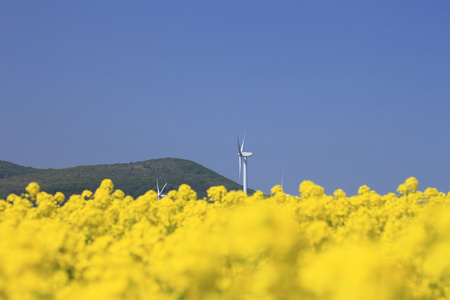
(133, 178)
(8, 169)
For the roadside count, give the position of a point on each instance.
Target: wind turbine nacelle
(247, 154)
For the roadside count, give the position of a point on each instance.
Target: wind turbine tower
(243, 163)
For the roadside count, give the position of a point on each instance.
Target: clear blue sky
(343, 93)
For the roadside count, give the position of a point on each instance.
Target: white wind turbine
(160, 194)
(243, 163)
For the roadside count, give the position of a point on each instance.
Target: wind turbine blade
(239, 147)
(243, 141)
(157, 186)
(163, 188)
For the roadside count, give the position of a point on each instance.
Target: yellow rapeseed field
(107, 245)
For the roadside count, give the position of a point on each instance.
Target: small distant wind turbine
(243, 163)
(282, 177)
(160, 194)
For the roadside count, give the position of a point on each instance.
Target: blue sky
(343, 93)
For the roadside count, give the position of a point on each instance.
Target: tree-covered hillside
(8, 169)
(133, 178)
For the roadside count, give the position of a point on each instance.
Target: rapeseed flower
(105, 244)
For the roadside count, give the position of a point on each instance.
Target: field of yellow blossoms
(106, 245)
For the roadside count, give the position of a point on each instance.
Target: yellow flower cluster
(106, 245)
